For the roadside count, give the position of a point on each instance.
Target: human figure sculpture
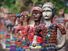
(50, 33)
(34, 34)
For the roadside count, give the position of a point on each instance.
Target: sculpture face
(47, 13)
(36, 15)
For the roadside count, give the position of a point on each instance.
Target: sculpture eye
(44, 11)
(48, 11)
(34, 14)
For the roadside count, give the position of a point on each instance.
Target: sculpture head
(36, 13)
(48, 10)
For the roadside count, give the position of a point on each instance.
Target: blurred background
(17, 6)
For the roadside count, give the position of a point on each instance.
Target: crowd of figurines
(36, 30)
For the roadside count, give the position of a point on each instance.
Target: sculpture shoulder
(61, 27)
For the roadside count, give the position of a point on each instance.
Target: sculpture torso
(31, 33)
(49, 32)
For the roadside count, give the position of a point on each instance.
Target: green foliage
(58, 4)
(16, 6)
(7, 3)
(34, 1)
(66, 10)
